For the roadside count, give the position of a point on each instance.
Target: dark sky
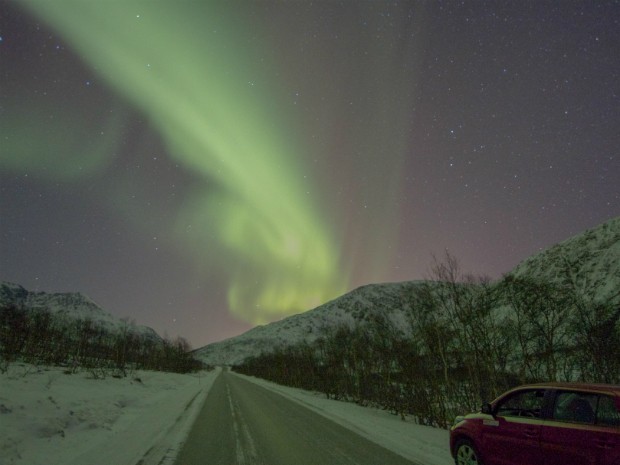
(203, 167)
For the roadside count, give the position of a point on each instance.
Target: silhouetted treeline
(465, 341)
(40, 337)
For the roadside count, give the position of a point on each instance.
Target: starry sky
(206, 166)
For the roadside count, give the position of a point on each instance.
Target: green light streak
(192, 73)
(68, 154)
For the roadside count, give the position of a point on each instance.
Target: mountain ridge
(68, 305)
(591, 259)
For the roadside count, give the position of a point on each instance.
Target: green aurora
(209, 165)
(197, 79)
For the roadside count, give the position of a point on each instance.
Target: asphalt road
(242, 423)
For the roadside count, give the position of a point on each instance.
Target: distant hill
(590, 259)
(387, 299)
(69, 306)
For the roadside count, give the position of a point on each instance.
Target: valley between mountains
(78, 385)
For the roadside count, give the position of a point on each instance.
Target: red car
(542, 424)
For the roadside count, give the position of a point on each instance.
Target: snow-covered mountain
(389, 300)
(68, 306)
(591, 260)
(592, 257)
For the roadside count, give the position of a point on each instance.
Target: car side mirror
(487, 409)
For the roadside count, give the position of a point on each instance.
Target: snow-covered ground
(48, 418)
(51, 418)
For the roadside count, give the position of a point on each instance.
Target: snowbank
(48, 417)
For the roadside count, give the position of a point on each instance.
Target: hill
(70, 330)
(363, 303)
(591, 260)
(69, 307)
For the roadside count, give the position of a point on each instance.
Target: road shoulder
(419, 444)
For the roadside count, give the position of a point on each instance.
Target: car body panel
(576, 444)
(513, 440)
(505, 438)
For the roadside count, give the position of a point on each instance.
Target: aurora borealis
(207, 166)
(222, 129)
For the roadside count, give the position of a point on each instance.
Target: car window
(522, 404)
(607, 413)
(575, 407)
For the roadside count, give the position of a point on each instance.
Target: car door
(608, 424)
(581, 430)
(513, 437)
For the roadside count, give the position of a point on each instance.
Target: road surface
(242, 423)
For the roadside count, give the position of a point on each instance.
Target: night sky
(203, 167)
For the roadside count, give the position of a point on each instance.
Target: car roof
(592, 387)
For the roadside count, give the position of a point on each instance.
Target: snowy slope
(70, 306)
(48, 417)
(593, 258)
(389, 299)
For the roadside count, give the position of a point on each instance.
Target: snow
(593, 257)
(48, 417)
